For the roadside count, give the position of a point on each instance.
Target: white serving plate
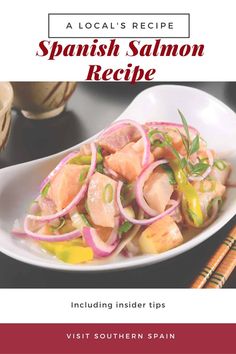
(19, 184)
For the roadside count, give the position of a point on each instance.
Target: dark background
(92, 107)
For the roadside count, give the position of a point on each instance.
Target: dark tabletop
(92, 107)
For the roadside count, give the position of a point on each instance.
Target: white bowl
(20, 183)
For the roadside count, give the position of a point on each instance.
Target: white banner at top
(119, 25)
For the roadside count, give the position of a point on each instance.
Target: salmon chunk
(66, 184)
(116, 140)
(47, 206)
(158, 190)
(101, 200)
(128, 161)
(161, 236)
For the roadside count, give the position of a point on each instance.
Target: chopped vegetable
(45, 190)
(73, 252)
(207, 186)
(214, 200)
(194, 146)
(220, 164)
(61, 224)
(129, 211)
(85, 220)
(125, 227)
(83, 175)
(107, 195)
(79, 221)
(128, 194)
(185, 125)
(189, 194)
(84, 159)
(198, 169)
(170, 173)
(100, 168)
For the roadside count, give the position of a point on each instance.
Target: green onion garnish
(83, 175)
(205, 187)
(84, 159)
(220, 164)
(44, 192)
(99, 168)
(128, 194)
(107, 194)
(125, 227)
(85, 220)
(62, 223)
(86, 206)
(198, 169)
(210, 205)
(170, 173)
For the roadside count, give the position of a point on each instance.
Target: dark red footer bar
(117, 338)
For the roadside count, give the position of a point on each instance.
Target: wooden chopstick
(218, 257)
(224, 270)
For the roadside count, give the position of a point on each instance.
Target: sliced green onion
(220, 164)
(62, 223)
(155, 142)
(99, 150)
(166, 137)
(210, 188)
(85, 220)
(84, 159)
(170, 173)
(128, 194)
(152, 132)
(216, 199)
(86, 206)
(204, 159)
(44, 191)
(83, 174)
(100, 168)
(125, 227)
(79, 221)
(107, 194)
(158, 143)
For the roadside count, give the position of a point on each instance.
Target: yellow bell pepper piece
(72, 252)
(190, 196)
(52, 247)
(75, 254)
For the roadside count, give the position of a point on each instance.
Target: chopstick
(220, 265)
(224, 270)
